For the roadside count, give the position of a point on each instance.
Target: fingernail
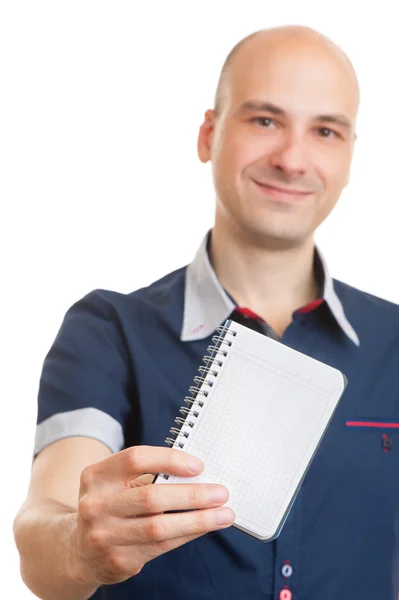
(195, 465)
(224, 516)
(219, 494)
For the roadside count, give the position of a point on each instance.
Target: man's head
(284, 116)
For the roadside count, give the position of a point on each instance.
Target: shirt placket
(287, 556)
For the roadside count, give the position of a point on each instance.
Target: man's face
(286, 123)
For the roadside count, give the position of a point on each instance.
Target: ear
(204, 144)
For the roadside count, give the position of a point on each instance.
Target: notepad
(255, 415)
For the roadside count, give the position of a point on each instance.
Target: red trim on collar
(311, 306)
(305, 309)
(248, 313)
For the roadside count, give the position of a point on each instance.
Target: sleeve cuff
(87, 422)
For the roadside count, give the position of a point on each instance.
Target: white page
(260, 425)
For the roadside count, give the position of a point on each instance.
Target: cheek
(238, 151)
(333, 172)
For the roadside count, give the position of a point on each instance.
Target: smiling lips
(280, 193)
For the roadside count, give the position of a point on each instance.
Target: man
(280, 139)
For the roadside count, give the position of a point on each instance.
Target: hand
(121, 523)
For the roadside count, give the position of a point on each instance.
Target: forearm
(50, 567)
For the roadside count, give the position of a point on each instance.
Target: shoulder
(367, 311)
(164, 296)
(351, 295)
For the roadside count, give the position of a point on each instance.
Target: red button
(285, 595)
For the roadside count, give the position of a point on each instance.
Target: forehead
(302, 78)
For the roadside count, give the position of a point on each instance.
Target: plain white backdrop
(101, 187)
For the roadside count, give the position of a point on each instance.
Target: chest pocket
(380, 434)
(372, 450)
(372, 463)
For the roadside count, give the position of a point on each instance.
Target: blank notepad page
(260, 423)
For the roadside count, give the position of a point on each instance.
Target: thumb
(145, 479)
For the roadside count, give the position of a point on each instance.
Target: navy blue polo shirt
(119, 369)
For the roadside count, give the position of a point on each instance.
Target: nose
(289, 156)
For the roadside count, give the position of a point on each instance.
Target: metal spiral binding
(191, 412)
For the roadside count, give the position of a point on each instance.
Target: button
(285, 595)
(287, 571)
(386, 442)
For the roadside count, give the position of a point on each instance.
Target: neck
(272, 282)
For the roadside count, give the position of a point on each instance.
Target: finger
(167, 545)
(171, 544)
(142, 480)
(160, 528)
(126, 557)
(160, 498)
(137, 460)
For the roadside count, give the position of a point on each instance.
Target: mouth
(280, 193)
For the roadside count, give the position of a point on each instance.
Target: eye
(265, 122)
(327, 133)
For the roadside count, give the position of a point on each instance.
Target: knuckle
(120, 565)
(149, 500)
(194, 497)
(98, 539)
(85, 509)
(116, 563)
(89, 508)
(163, 547)
(135, 568)
(155, 531)
(87, 477)
(134, 458)
(196, 524)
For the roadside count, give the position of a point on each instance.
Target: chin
(275, 238)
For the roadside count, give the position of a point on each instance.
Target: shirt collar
(207, 306)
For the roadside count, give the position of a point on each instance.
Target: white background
(100, 183)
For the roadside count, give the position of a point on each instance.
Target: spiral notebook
(256, 415)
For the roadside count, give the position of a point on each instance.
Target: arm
(83, 526)
(45, 526)
(91, 516)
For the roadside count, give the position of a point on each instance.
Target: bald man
(280, 139)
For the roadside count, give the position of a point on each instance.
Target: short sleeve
(86, 382)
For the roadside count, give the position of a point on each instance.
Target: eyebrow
(254, 105)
